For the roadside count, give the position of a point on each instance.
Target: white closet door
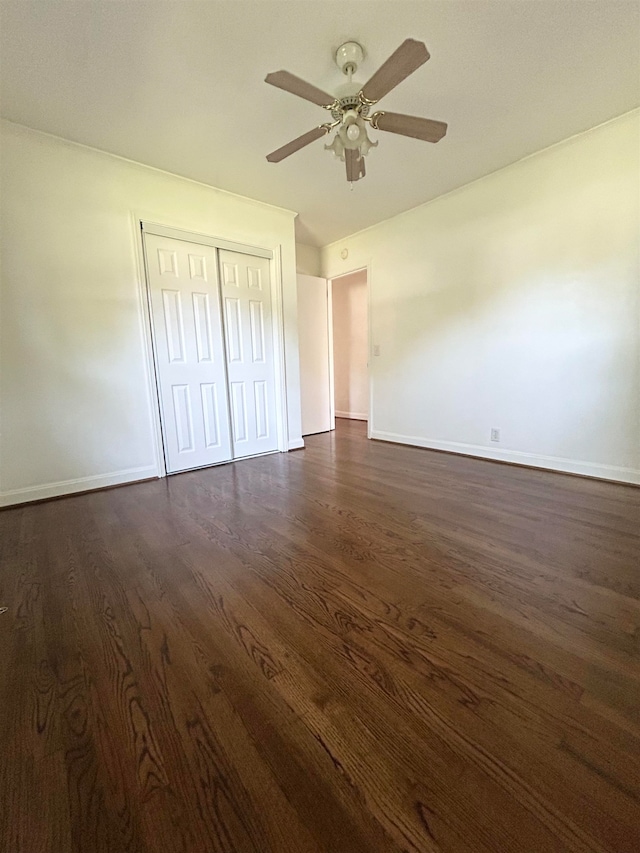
(185, 302)
(246, 294)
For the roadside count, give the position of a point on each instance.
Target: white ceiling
(179, 85)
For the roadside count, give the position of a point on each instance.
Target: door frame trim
(277, 326)
(146, 330)
(332, 378)
(204, 239)
(142, 226)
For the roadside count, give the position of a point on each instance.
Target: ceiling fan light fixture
(353, 132)
(351, 129)
(366, 145)
(351, 135)
(337, 146)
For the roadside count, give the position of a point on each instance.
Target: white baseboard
(517, 457)
(296, 443)
(355, 416)
(81, 484)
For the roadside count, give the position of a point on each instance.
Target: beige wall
(76, 403)
(308, 259)
(350, 345)
(514, 303)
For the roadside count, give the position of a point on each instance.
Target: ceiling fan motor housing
(347, 103)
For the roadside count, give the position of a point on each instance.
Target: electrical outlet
(376, 349)
(495, 434)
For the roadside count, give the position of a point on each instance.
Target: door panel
(211, 414)
(257, 331)
(187, 323)
(202, 319)
(246, 292)
(239, 414)
(233, 329)
(183, 417)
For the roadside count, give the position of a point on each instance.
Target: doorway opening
(334, 343)
(349, 307)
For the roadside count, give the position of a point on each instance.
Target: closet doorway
(215, 346)
(350, 331)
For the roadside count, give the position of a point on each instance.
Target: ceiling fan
(351, 107)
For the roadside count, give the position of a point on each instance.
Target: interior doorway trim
(366, 269)
(144, 226)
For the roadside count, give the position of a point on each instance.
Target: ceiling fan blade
(296, 144)
(419, 128)
(291, 83)
(404, 61)
(355, 165)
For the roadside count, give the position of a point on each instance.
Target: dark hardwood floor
(356, 648)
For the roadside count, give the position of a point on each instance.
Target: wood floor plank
(359, 648)
(327, 813)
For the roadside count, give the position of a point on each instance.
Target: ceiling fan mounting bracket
(348, 56)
